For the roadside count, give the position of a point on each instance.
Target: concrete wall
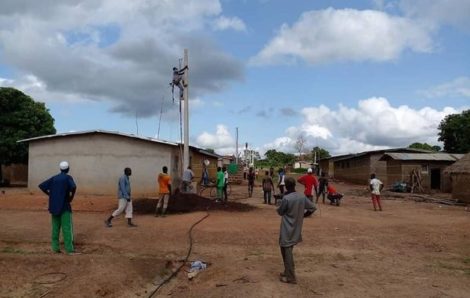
(98, 160)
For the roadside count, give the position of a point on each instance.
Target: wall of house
(97, 161)
(460, 189)
(379, 167)
(394, 172)
(15, 174)
(425, 167)
(356, 170)
(197, 160)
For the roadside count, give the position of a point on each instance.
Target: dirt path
(409, 250)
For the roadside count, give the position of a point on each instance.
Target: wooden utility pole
(186, 112)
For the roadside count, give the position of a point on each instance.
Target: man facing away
(322, 187)
(124, 200)
(225, 195)
(310, 182)
(281, 183)
(188, 176)
(376, 187)
(61, 190)
(268, 187)
(178, 79)
(164, 183)
(294, 207)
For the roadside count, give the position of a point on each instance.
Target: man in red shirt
(333, 195)
(310, 182)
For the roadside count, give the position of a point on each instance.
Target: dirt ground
(408, 250)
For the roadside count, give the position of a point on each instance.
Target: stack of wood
(416, 181)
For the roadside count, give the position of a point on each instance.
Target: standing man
(188, 176)
(164, 183)
(225, 198)
(61, 190)
(322, 188)
(251, 181)
(220, 183)
(292, 210)
(310, 182)
(268, 187)
(124, 200)
(376, 187)
(281, 182)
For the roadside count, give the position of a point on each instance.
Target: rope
(185, 259)
(160, 119)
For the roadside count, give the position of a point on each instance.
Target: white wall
(98, 160)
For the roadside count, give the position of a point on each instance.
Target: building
(429, 166)
(357, 167)
(460, 178)
(97, 159)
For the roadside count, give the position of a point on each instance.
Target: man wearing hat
(310, 182)
(61, 189)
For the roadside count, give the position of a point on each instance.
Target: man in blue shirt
(124, 198)
(61, 189)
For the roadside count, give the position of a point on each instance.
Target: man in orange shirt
(164, 182)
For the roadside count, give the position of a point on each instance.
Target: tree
(279, 159)
(454, 132)
(320, 153)
(425, 146)
(300, 145)
(210, 150)
(20, 118)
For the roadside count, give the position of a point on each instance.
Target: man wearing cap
(124, 198)
(310, 182)
(61, 189)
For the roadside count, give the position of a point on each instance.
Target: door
(436, 179)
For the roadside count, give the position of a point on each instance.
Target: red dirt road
(409, 250)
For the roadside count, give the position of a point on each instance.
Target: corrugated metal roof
(423, 156)
(116, 133)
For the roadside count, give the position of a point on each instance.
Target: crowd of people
(293, 208)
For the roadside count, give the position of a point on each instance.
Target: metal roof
(422, 156)
(115, 133)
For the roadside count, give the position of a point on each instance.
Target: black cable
(185, 259)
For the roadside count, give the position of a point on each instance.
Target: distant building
(97, 158)
(430, 166)
(460, 178)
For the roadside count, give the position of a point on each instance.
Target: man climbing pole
(178, 80)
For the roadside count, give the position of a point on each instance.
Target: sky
(347, 76)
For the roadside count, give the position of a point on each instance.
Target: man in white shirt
(376, 187)
(188, 176)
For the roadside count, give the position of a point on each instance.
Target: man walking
(294, 207)
(124, 200)
(164, 183)
(268, 187)
(61, 190)
(251, 181)
(376, 187)
(281, 183)
(310, 182)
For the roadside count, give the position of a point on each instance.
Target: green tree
(210, 150)
(425, 146)
(20, 118)
(454, 132)
(279, 159)
(320, 153)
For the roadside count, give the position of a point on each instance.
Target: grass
(12, 250)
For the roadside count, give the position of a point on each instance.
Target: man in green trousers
(61, 189)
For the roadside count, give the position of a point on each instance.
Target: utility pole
(186, 113)
(236, 146)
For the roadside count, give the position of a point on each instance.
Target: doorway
(436, 179)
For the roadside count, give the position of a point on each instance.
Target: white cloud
(345, 35)
(225, 23)
(221, 141)
(459, 87)
(373, 124)
(113, 50)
